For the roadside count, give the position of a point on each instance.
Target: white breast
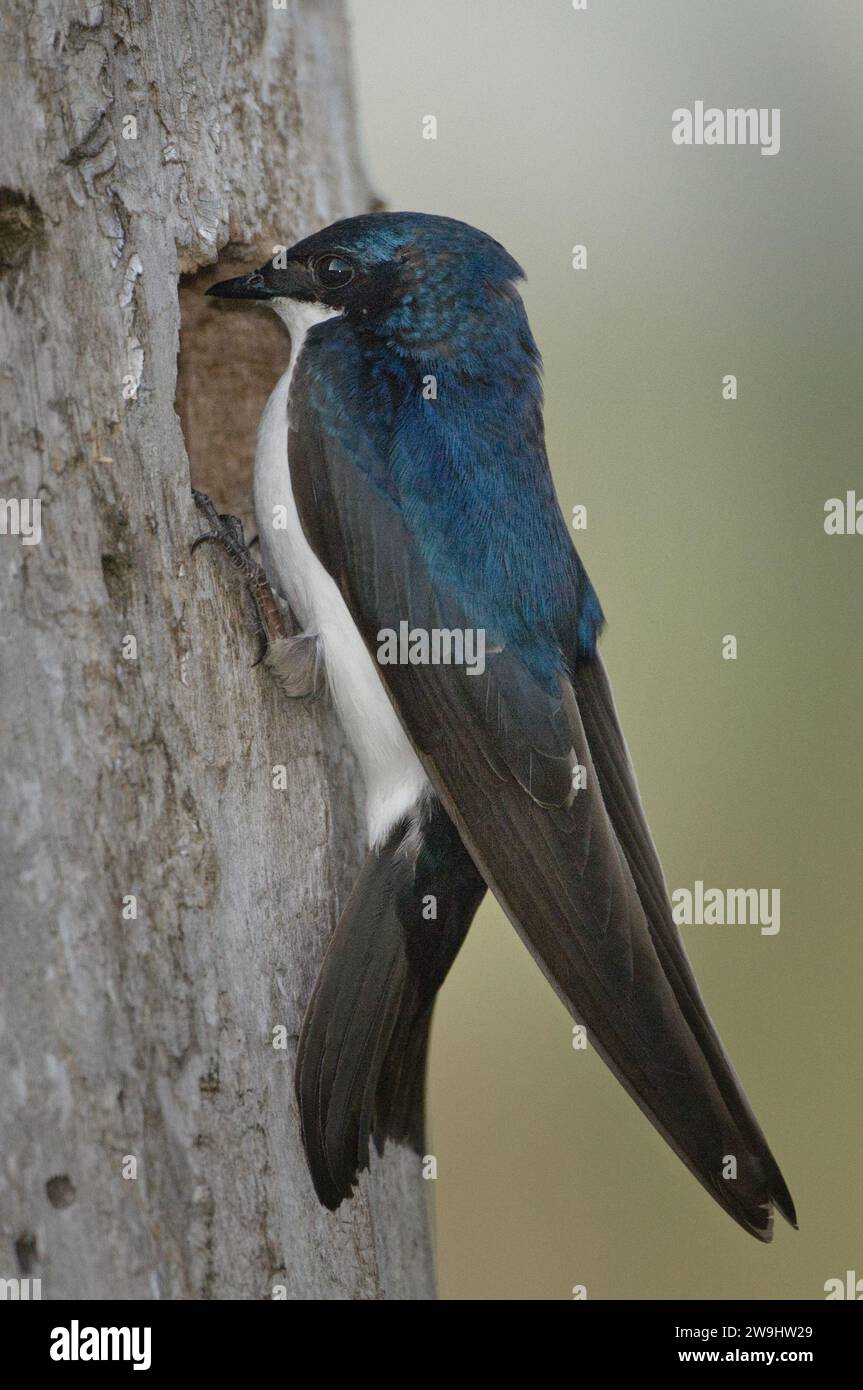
(393, 775)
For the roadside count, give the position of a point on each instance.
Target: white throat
(299, 315)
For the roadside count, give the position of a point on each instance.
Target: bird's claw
(227, 532)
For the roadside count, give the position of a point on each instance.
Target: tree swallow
(402, 487)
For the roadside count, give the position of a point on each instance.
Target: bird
(402, 486)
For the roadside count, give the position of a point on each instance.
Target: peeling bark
(152, 1038)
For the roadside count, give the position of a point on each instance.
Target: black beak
(243, 287)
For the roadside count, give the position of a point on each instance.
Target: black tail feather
(362, 1053)
(400, 1110)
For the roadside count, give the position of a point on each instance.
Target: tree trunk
(165, 906)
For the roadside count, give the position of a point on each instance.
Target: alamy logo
(21, 516)
(720, 906)
(843, 516)
(737, 125)
(439, 646)
(76, 1343)
(20, 1290)
(849, 1287)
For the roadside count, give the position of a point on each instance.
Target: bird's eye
(333, 271)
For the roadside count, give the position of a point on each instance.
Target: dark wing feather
(620, 793)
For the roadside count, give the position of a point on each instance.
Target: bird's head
(430, 286)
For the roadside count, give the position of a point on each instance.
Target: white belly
(393, 775)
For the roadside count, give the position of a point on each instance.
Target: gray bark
(152, 1038)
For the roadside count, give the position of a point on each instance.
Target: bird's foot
(298, 664)
(227, 532)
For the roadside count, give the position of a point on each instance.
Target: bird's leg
(227, 532)
(294, 658)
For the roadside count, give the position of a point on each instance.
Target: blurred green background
(705, 517)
